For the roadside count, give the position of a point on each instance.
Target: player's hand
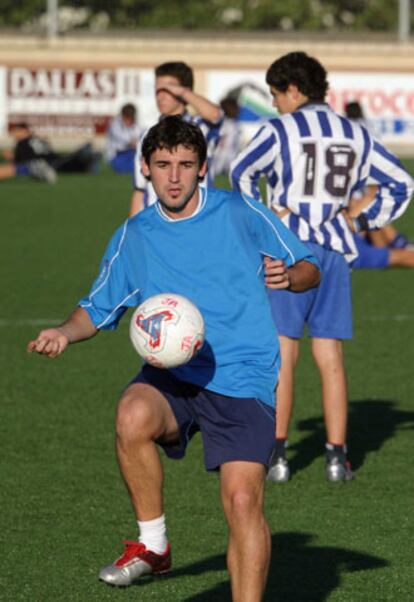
(276, 274)
(51, 342)
(350, 218)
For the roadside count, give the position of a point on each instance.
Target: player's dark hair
(230, 107)
(19, 125)
(181, 71)
(129, 111)
(353, 110)
(301, 70)
(171, 132)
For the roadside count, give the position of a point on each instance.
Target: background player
(122, 138)
(28, 157)
(227, 390)
(229, 144)
(314, 160)
(174, 82)
(34, 156)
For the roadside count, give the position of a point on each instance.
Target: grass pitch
(64, 510)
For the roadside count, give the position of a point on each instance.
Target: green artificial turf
(64, 511)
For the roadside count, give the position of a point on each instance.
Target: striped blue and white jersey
(215, 258)
(314, 161)
(211, 133)
(121, 137)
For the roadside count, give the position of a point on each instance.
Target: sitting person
(122, 137)
(33, 156)
(229, 144)
(383, 248)
(28, 158)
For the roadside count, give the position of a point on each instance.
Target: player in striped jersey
(314, 161)
(174, 83)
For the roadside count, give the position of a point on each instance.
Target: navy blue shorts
(370, 257)
(232, 428)
(325, 309)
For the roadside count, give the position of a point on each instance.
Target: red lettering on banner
(410, 103)
(59, 83)
(396, 100)
(377, 103)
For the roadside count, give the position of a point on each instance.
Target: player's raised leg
(144, 416)
(328, 355)
(248, 554)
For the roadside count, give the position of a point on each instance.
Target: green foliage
(219, 15)
(13, 13)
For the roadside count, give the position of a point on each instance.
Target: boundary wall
(69, 87)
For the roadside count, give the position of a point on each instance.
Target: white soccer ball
(167, 330)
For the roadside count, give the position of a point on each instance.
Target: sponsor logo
(154, 326)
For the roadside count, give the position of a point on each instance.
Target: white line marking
(31, 322)
(397, 318)
(53, 321)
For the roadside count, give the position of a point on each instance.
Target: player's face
(288, 101)
(167, 103)
(174, 176)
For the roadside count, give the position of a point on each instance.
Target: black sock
(336, 451)
(280, 447)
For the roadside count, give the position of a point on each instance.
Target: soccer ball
(167, 330)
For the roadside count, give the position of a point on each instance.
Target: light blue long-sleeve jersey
(214, 258)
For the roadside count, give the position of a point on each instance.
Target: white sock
(153, 534)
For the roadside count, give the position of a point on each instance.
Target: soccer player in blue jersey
(174, 82)
(221, 251)
(314, 161)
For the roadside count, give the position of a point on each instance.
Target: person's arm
(137, 202)
(202, 106)
(287, 262)
(8, 154)
(357, 205)
(255, 160)
(299, 277)
(53, 341)
(395, 188)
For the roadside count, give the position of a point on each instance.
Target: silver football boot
(337, 470)
(135, 562)
(279, 471)
(41, 170)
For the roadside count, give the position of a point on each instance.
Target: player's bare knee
(136, 419)
(241, 505)
(327, 354)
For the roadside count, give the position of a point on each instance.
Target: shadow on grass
(371, 422)
(298, 571)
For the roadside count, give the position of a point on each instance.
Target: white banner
(73, 102)
(3, 101)
(387, 99)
